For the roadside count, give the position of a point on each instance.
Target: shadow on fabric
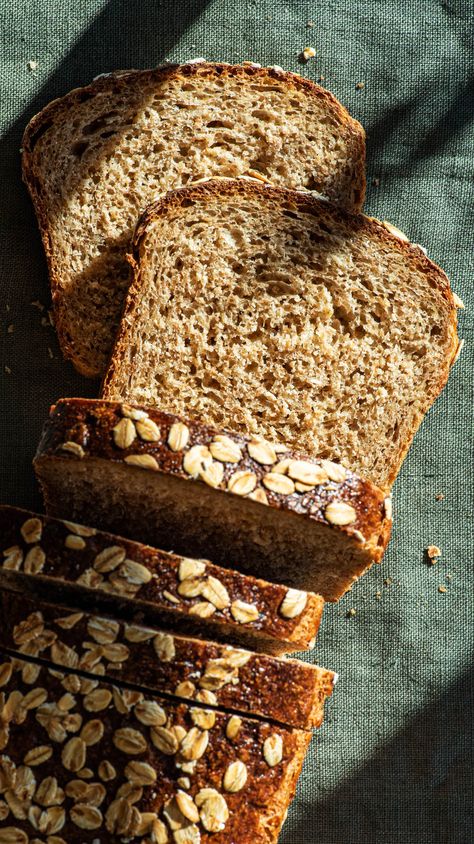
(125, 34)
(415, 790)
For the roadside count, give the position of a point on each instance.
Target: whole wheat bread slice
(288, 691)
(96, 158)
(87, 568)
(111, 764)
(275, 313)
(181, 485)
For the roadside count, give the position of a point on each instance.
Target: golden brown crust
(309, 204)
(118, 81)
(96, 758)
(288, 691)
(159, 600)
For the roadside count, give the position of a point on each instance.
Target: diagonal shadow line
(124, 34)
(120, 37)
(415, 790)
(450, 124)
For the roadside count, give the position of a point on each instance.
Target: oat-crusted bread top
(96, 158)
(275, 313)
(42, 557)
(83, 761)
(285, 690)
(176, 483)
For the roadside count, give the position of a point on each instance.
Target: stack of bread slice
(267, 354)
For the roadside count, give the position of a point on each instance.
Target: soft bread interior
(317, 329)
(108, 153)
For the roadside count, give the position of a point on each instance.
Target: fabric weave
(393, 761)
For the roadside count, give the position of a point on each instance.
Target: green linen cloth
(392, 762)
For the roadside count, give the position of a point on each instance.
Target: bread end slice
(310, 524)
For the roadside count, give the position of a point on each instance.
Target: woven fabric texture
(393, 761)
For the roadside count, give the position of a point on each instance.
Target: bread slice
(284, 690)
(79, 565)
(84, 761)
(163, 479)
(96, 158)
(275, 313)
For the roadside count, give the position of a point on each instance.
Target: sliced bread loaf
(284, 690)
(96, 158)
(83, 566)
(84, 761)
(163, 479)
(274, 313)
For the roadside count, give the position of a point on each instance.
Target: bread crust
(118, 81)
(111, 764)
(309, 204)
(283, 690)
(90, 424)
(157, 601)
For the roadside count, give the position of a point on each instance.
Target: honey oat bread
(96, 158)
(175, 483)
(284, 690)
(48, 558)
(83, 761)
(275, 313)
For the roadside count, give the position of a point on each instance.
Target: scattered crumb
(37, 304)
(351, 613)
(388, 581)
(375, 182)
(20, 150)
(442, 589)
(7, 308)
(360, 86)
(439, 496)
(51, 318)
(378, 595)
(11, 328)
(308, 53)
(44, 321)
(433, 552)
(32, 65)
(449, 575)
(50, 353)
(321, 79)
(310, 24)
(7, 370)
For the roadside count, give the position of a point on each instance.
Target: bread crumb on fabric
(442, 589)
(388, 581)
(439, 496)
(360, 86)
(375, 182)
(351, 613)
(310, 24)
(32, 65)
(11, 328)
(7, 370)
(308, 53)
(37, 304)
(378, 595)
(433, 552)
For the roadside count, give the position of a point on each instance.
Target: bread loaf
(275, 313)
(84, 761)
(163, 479)
(80, 565)
(284, 690)
(96, 158)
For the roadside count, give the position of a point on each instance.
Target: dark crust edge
(119, 80)
(370, 498)
(305, 202)
(298, 637)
